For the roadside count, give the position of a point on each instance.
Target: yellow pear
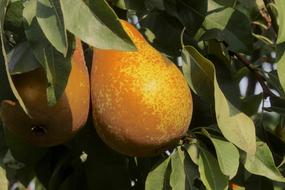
(141, 102)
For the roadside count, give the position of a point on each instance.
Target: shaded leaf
(93, 31)
(210, 173)
(227, 154)
(277, 104)
(221, 23)
(21, 59)
(236, 127)
(56, 66)
(274, 81)
(50, 19)
(251, 104)
(262, 163)
(156, 178)
(260, 183)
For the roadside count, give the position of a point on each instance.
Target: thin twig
(272, 16)
(267, 92)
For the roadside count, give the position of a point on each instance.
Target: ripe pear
(141, 102)
(49, 125)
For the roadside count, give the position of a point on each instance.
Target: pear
(49, 125)
(141, 103)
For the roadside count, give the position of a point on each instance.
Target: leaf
(262, 163)
(281, 64)
(13, 15)
(274, 81)
(3, 180)
(21, 59)
(184, 172)
(6, 79)
(157, 178)
(198, 75)
(50, 19)
(227, 154)
(251, 104)
(210, 173)
(281, 21)
(236, 127)
(277, 104)
(93, 31)
(56, 66)
(193, 152)
(218, 22)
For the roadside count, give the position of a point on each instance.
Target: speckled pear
(141, 102)
(49, 125)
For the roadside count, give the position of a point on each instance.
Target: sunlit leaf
(227, 24)
(81, 21)
(236, 126)
(281, 64)
(156, 178)
(184, 172)
(227, 154)
(210, 173)
(3, 180)
(262, 163)
(281, 20)
(50, 19)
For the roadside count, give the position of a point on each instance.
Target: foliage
(232, 54)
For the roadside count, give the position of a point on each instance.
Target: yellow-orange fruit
(49, 125)
(141, 101)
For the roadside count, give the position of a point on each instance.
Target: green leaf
(157, 178)
(229, 25)
(210, 173)
(193, 152)
(94, 31)
(281, 64)
(14, 14)
(227, 154)
(236, 127)
(3, 180)
(277, 104)
(198, 75)
(184, 172)
(50, 19)
(274, 82)
(250, 104)
(55, 64)
(281, 21)
(262, 163)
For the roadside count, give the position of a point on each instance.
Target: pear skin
(141, 102)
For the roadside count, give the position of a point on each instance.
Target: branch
(267, 92)
(271, 14)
